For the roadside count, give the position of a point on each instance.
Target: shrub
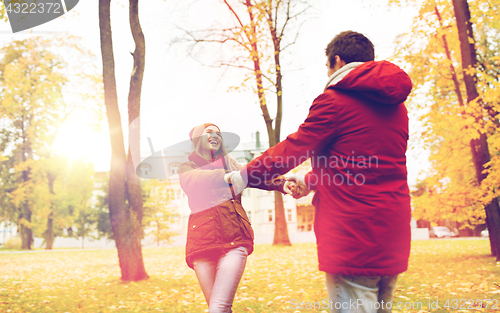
(13, 243)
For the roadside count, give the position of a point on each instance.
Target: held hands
(296, 186)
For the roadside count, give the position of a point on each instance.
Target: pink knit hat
(197, 131)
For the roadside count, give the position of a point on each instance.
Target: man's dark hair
(350, 47)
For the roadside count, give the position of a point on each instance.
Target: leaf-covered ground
(276, 279)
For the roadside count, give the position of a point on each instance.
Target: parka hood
(380, 81)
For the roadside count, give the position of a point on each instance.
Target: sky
(179, 92)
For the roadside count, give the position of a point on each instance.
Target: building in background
(8, 229)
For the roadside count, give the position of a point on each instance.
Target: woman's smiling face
(211, 139)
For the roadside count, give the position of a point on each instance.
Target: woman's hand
(236, 180)
(227, 177)
(299, 188)
(289, 187)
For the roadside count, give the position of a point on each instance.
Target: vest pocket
(201, 229)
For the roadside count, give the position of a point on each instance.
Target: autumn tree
(3, 16)
(262, 31)
(59, 192)
(458, 125)
(25, 90)
(34, 88)
(73, 187)
(125, 200)
(159, 210)
(479, 145)
(8, 183)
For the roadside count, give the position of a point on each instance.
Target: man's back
(362, 198)
(356, 135)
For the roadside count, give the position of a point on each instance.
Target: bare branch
(301, 12)
(234, 13)
(237, 66)
(286, 20)
(276, 13)
(194, 38)
(293, 17)
(246, 68)
(296, 37)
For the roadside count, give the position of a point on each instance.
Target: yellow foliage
(432, 52)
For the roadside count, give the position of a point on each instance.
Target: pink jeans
(219, 277)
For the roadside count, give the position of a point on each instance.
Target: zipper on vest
(221, 231)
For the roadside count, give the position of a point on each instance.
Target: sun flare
(77, 139)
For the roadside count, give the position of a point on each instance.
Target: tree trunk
(252, 38)
(123, 220)
(133, 186)
(454, 76)
(479, 147)
(25, 214)
(49, 234)
(280, 226)
(270, 9)
(26, 232)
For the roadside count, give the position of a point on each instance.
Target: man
(356, 135)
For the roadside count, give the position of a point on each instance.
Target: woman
(220, 236)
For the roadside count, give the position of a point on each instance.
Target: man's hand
(299, 188)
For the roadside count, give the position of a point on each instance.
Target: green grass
(88, 280)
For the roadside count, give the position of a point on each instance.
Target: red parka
(356, 134)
